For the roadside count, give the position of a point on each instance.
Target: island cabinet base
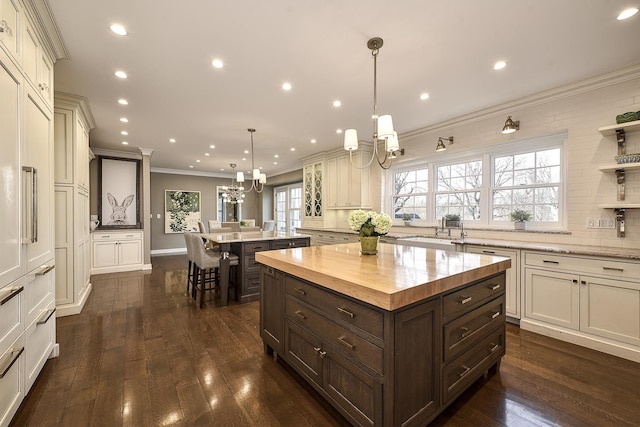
(379, 367)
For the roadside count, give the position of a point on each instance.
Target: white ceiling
(443, 47)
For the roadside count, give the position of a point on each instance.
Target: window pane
(410, 195)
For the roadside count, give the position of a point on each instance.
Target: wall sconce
(441, 146)
(510, 126)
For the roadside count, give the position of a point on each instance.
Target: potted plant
(519, 216)
(370, 226)
(407, 219)
(452, 220)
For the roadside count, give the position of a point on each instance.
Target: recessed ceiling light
(119, 29)
(292, 149)
(424, 96)
(198, 161)
(627, 13)
(124, 120)
(313, 141)
(337, 103)
(191, 166)
(499, 65)
(286, 86)
(123, 102)
(121, 74)
(206, 154)
(244, 159)
(172, 140)
(338, 130)
(212, 146)
(124, 132)
(276, 156)
(217, 63)
(275, 163)
(246, 151)
(125, 143)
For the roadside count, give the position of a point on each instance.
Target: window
(288, 207)
(528, 181)
(458, 191)
(410, 193)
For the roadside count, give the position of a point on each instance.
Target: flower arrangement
(369, 223)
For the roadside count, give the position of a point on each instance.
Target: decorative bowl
(628, 158)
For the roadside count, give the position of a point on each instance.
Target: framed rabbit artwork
(119, 189)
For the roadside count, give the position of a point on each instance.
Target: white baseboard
(172, 251)
(147, 267)
(55, 351)
(75, 308)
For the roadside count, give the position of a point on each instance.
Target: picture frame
(119, 189)
(182, 211)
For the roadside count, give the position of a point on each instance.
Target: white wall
(579, 109)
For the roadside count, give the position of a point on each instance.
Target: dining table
(245, 245)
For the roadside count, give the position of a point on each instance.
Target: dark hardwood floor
(143, 354)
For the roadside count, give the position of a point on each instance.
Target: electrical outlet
(601, 223)
(591, 223)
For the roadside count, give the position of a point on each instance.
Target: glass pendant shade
(256, 174)
(240, 177)
(385, 127)
(263, 178)
(392, 143)
(351, 139)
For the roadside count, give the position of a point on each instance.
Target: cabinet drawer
(249, 263)
(11, 313)
(39, 340)
(116, 236)
(337, 307)
(464, 332)
(463, 301)
(251, 283)
(251, 247)
(333, 335)
(460, 373)
(601, 267)
(39, 291)
(289, 243)
(11, 380)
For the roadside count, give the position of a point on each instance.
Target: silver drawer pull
(550, 262)
(488, 252)
(494, 348)
(300, 315)
(322, 354)
(465, 300)
(346, 343)
(12, 293)
(348, 313)
(464, 332)
(301, 291)
(465, 372)
(15, 354)
(317, 349)
(494, 287)
(45, 317)
(45, 269)
(496, 314)
(604, 267)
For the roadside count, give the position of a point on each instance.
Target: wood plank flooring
(143, 354)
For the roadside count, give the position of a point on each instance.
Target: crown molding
(47, 28)
(61, 98)
(191, 173)
(555, 94)
(115, 153)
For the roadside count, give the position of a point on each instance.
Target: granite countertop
(604, 251)
(396, 277)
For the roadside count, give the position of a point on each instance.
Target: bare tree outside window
(458, 190)
(410, 193)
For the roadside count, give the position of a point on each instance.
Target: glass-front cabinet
(313, 190)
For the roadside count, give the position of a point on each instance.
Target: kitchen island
(390, 339)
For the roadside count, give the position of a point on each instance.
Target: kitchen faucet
(442, 229)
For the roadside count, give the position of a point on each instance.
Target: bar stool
(192, 269)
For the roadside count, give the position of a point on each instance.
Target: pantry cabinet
(348, 180)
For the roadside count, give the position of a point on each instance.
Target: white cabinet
(347, 180)
(37, 65)
(591, 301)
(116, 251)
(512, 279)
(73, 121)
(10, 21)
(313, 189)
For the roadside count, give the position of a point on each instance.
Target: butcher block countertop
(394, 278)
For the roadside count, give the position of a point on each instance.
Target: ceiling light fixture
(510, 126)
(499, 65)
(217, 63)
(441, 145)
(123, 102)
(124, 132)
(627, 13)
(233, 193)
(124, 120)
(119, 29)
(424, 96)
(337, 103)
(286, 86)
(259, 179)
(382, 126)
(121, 74)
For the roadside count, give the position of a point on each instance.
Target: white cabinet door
(610, 309)
(552, 297)
(12, 384)
(39, 155)
(12, 264)
(105, 254)
(129, 252)
(10, 13)
(512, 279)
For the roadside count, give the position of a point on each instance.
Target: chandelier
(382, 126)
(259, 179)
(232, 194)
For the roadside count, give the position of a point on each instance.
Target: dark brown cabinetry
(379, 367)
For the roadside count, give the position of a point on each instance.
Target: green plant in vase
(370, 226)
(519, 216)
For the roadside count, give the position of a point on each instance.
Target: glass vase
(369, 245)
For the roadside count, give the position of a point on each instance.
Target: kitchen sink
(427, 242)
